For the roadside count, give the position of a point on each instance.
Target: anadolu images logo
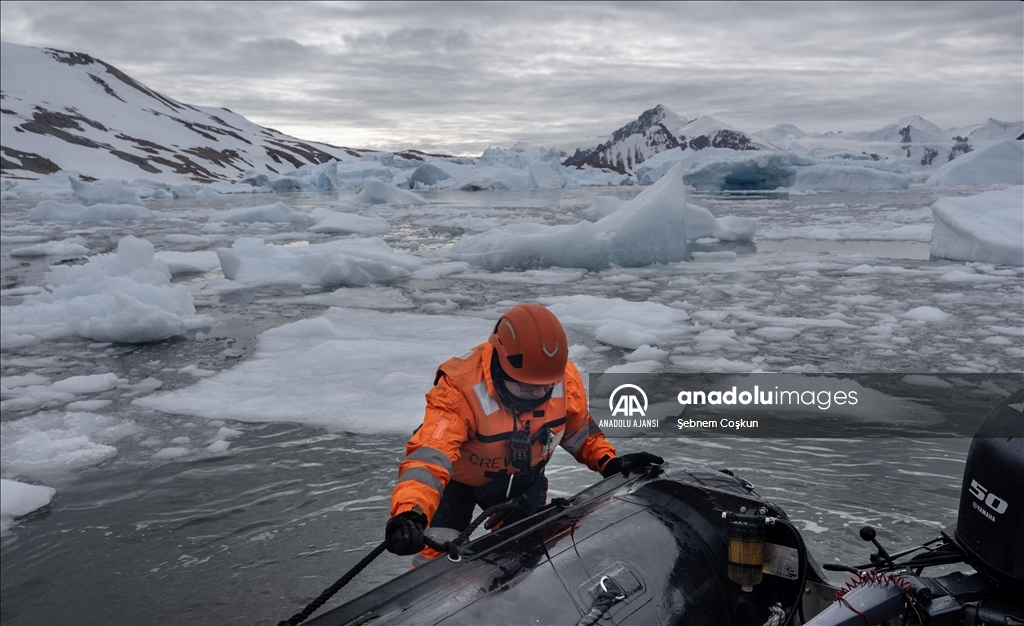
(628, 402)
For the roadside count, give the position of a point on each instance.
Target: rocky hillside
(70, 111)
(657, 130)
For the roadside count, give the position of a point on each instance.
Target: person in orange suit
(493, 419)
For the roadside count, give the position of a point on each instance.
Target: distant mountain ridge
(71, 111)
(656, 130)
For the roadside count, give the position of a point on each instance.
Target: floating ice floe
(70, 247)
(700, 223)
(375, 365)
(346, 262)
(987, 227)
(722, 169)
(327, 221)
(648, 229)
(1000, 163)
(382, 192)
(52, 210)
(201, 261)
(123, 297)
(618, 322)
(103, 192)
(18, 499)
(54, 442)
(276, 212)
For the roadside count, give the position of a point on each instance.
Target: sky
(456, 77)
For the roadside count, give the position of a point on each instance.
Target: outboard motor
(990, 522)
(988, 536)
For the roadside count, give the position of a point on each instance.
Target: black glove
(404, 533)
(634, 462)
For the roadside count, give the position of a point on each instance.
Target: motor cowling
(990, 520)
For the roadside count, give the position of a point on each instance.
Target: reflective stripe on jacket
(466, 430)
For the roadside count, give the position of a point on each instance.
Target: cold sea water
(251, 535)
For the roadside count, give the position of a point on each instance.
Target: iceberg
(125, 297)
(377, 191)
(349, 262)
(723, 169)
(999, 163)
(70, 247)
(987, 227)
(648, 229)
(700, 223)
(327, 221)
(104, 191)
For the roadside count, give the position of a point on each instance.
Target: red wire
(850, 606)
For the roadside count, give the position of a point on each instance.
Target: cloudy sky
(458, 77)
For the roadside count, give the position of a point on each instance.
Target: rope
(301, 616)
(602, 603)
(776, 615)
(451, 547)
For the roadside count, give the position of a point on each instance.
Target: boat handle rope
(451, 547)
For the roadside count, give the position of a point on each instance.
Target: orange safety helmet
(531, 345)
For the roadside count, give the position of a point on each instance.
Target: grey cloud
(467, 75)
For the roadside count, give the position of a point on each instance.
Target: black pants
(459, 500)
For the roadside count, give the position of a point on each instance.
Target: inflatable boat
(696, 546)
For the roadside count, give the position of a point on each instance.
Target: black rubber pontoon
(659, 539)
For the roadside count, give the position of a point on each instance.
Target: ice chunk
(44, 443)
(367, 297)
(601, 207)
(987, 227)
(184, 262)
(382, 192)
(51, 210)
(17, 499)
(171, 453)
(277, 212)
(103, 192)
(70, 247)
(122, 297)
(377, 365)
(622, 335)
(86, 384)
(219, 446)
(1000, 163)
(927, 314)
(616, 321)
(327, 221)
(648, 229)
(184, 190)
(344, 262)
(701, 223)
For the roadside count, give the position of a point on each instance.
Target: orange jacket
(465, 432)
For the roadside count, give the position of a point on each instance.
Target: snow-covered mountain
(657, 130)
(70, 111)
(994, 130)
(908, 130)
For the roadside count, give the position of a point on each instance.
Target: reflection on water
(881, 249)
